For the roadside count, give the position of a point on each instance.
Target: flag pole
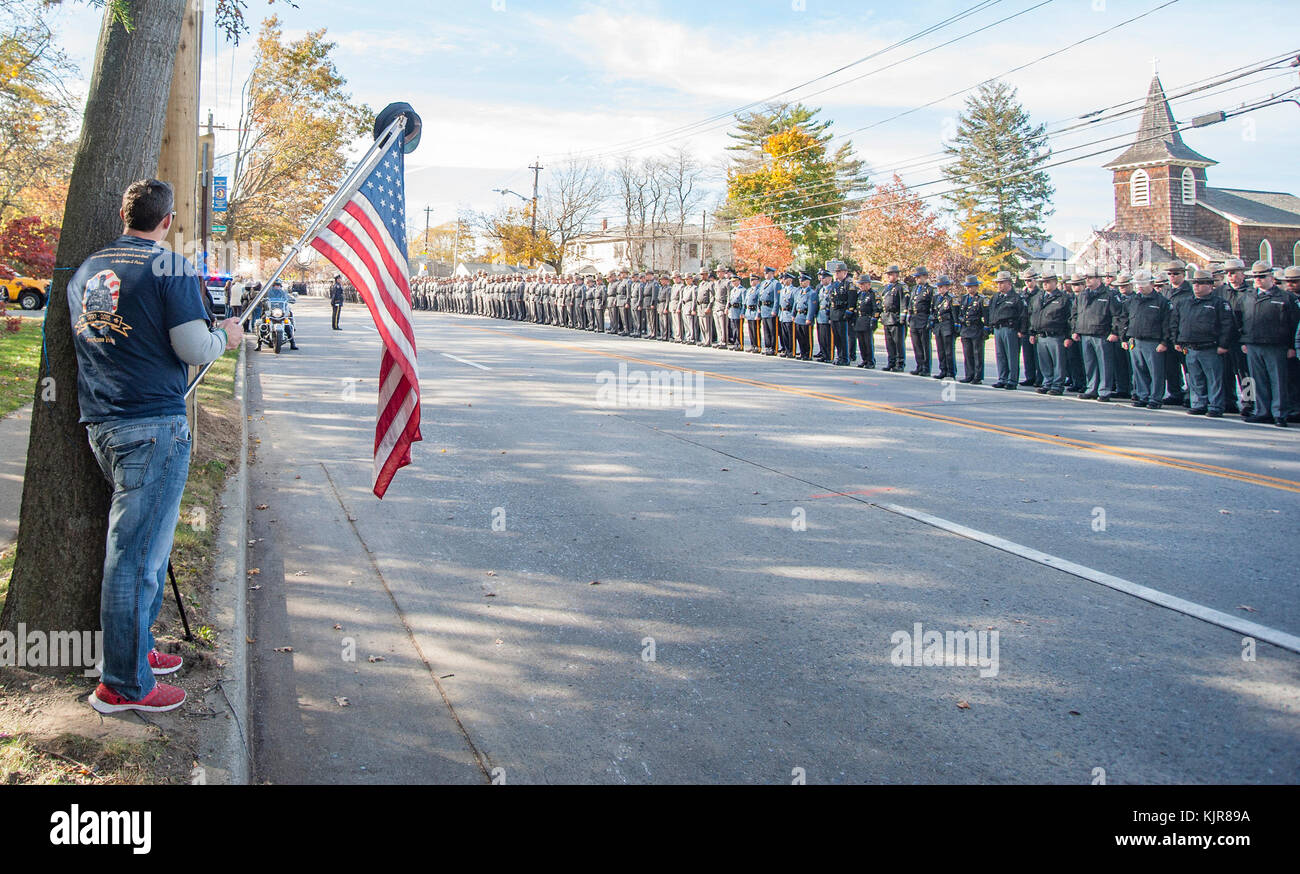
(349, 187)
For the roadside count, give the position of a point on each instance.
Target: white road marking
(464, 361)
(1119, 584)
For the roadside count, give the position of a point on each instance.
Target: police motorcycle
(274, 319)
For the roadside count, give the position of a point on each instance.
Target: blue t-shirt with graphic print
(123, 301)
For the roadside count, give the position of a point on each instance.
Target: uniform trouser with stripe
(734, 338)
(1268, 376)
(1097, 365)
(751, 328)
(1174, 374)
(921, 348)
(1074, 365)
(824, 341)
(1293, 383)
(1123, 369)
(1030, 357)
(946, 346)
(972, 353)
(1236, 372)
(707, 337)
(785, 337)
(1006, 346)
(769, 333)
(865, 342)
(894, 351)
(720, 325)
(1148, 367)
(840, 337)
(803, 340)
(1051, 361)
(1205, 370)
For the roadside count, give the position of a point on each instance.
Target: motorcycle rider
(278, 297)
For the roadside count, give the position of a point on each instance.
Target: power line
(615, 148)
(1092, 120)
(1245, 107)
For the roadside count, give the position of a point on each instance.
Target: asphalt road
(565, 588)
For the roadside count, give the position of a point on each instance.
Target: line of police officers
(1214, 344)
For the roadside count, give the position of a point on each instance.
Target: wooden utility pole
(537, 168)
(178, 162)
(704, 217)
(207, 152)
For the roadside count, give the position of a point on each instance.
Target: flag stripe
(366, 242)
(358, 247)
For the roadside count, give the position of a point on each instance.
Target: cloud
(444, 39)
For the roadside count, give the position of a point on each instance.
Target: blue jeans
(1006, 346)
(147, 460)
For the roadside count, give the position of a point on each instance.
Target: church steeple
(1158, 140)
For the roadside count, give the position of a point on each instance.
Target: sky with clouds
(500, 82)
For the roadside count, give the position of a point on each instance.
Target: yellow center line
(1053, 439)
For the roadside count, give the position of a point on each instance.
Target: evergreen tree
(997, 158)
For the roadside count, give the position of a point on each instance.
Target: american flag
(366, 241)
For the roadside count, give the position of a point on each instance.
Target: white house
(660, 247)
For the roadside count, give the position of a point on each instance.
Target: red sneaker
(161, 699)
(164, 663)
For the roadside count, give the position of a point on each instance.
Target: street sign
(219, 194)
(218, 229)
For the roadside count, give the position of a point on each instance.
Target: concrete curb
(226, 748)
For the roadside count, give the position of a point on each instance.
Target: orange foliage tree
(896, 227)
(759, 243)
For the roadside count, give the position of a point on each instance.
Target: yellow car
(28, 293)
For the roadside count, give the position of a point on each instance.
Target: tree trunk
(64, 518)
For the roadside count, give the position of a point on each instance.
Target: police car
(215, 286)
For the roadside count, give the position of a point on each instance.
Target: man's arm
(194, 344)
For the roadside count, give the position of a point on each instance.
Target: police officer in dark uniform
(1143, 326)
(864, 325)
(944, 309)
(1204, 330)
(1237, 370)
(893, 309)
(844, 300)
(1267, 323)
(336, 302)
(1123, 286)
(1029, 294)
(1095, 313)
(1049, 333)
(918, 320)
(1179, 287)
(973, 325)
(1010, 323)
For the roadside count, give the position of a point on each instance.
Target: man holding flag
(362, 232)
